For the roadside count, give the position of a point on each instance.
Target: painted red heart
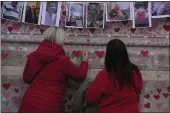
(165, 95)
(92, 31)
(69, 97)
(158, 90)
(156, 96)
(144, 53)
(166, 27)
(2, 21)
(10, 29)
(88, 40)
(168, 88)
(16, 26)
(99, 54)
(6, 86)
(117, 30)
(133, 30)
(42, 30)
(64, 13)
(4, 55)
(147, 105)
(76, 53)
(80, 29)
(124, 22)
(147, 96)
(16, 90)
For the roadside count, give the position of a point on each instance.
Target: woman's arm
(76, 73)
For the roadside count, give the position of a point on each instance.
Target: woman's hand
(85, 56)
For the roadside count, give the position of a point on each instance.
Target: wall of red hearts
(147, 47)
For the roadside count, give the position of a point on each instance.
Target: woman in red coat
(118, 86)
(47, 72)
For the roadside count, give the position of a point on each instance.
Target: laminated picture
(118, 11)
(74, 15)
(12, 10)
(51, 13)
(32, 12)
(160, 9)
(95, 15)
(141, 14)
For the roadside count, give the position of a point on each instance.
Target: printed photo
(118, 11)
(12, 10)
(141, 14)
(32, 12)
(74, 15)
(95, 15)
(160, 9)
(51, 13)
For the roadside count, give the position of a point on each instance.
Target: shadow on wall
(154, 98)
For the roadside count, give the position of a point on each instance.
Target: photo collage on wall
(85, 14)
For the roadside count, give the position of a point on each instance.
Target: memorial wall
(147, 47)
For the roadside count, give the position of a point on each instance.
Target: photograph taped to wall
(74, 15)
(32, 12)
(141, 14)
(12, 10)
(95, 15)
(118, 11)
(160, 9)
(51, 13)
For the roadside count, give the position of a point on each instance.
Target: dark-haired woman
(118, 86)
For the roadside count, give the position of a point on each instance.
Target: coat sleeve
(26, 77)
(94, 93)
(76, 73)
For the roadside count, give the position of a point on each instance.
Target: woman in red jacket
(118, 86)
(47, 72)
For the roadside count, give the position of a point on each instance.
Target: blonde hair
(55, 34)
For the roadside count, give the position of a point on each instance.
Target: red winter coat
(109, 98)
(46, 92)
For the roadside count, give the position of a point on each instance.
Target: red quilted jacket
(110, 99)
(47, 89)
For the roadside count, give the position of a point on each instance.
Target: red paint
(144, 53)
(147, 105)
(99, 54)
(165, 95)
(156, 96)
(4, 55)
(166, 27)
(88, 40)
(147, 96)
(42, 30)
(92, 31)
(124, 22)
(77, 53)
(133, 30)
(10, 29)
(16, 90)
(6, 86)
(117, 30)
(158, 90)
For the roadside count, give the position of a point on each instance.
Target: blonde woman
(47, 72)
